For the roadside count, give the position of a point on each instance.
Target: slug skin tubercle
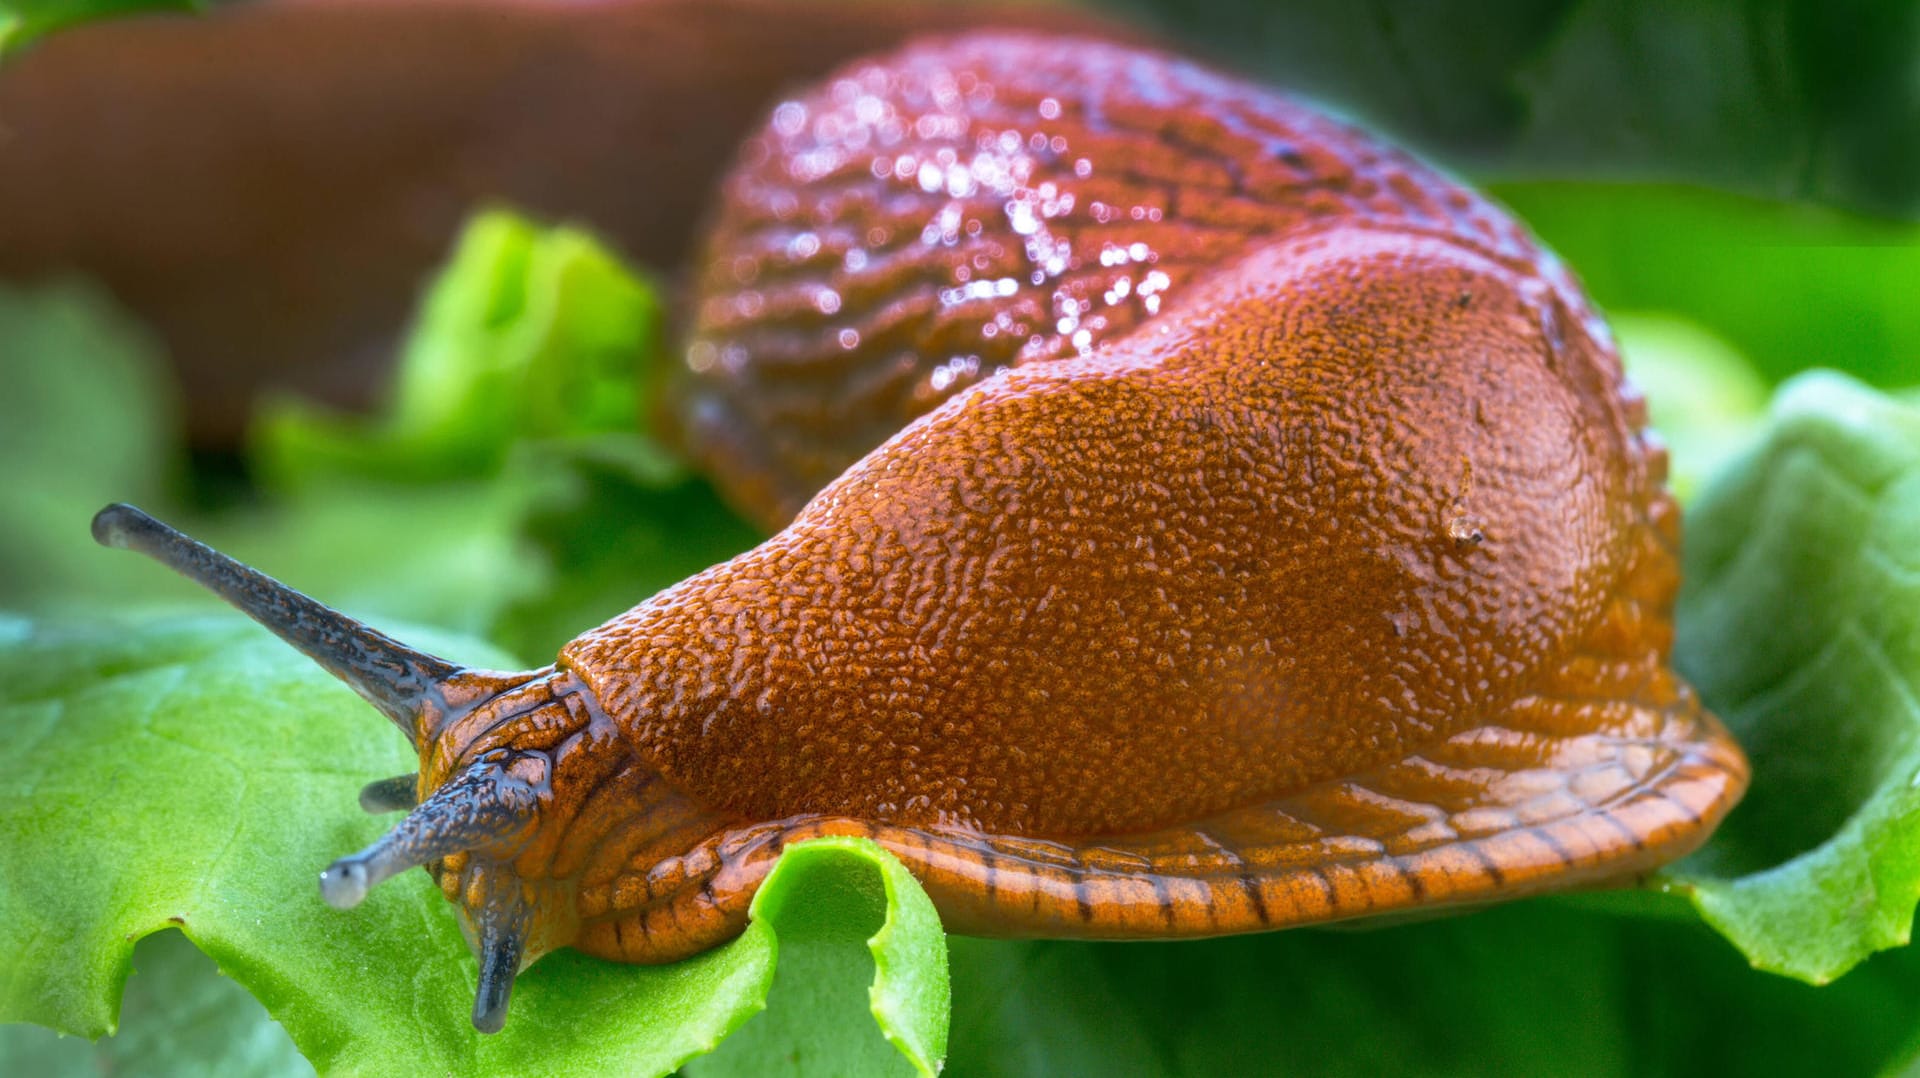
(1331, 577)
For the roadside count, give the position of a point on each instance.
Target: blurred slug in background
(1192, 516)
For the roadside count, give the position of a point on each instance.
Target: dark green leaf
(1798, 100)
(1530, 989)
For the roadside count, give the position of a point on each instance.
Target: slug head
(486, 744)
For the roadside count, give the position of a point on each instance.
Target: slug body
(1198, 518)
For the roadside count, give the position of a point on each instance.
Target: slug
(1194, 517)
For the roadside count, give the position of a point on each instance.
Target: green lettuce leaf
(194, 772)
(1800, 625)
(823, 899)
(515, 439)
(178, 1017)
(527, 333)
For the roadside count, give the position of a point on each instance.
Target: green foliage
(88, 414)
(1528, 989)
(178, 1017)
(1800, 621)
(91, 420)
(1807, 101)
(1788, 286)
(617, 521)
(511, 435)
(1702, 396)
(824, 898)
(526, 334)
(24, 21)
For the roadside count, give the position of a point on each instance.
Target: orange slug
(1195, 517)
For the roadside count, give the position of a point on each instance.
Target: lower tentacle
(499, 927)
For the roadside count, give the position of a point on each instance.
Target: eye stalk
(483, 810)
(403, 683)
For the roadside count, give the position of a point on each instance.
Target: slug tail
(403, 683)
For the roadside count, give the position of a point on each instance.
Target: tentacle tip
(502, 942)
(490, 1003)
(344, 883)
(389, 795)
(113, 525)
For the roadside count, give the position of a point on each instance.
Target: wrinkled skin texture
(1210, 564)
(932, 217)
(1334, 558)
(1334, 580)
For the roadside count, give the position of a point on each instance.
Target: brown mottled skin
(1199, 559)
(1335, 581)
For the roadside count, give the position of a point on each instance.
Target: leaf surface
(1800, 625)
(196, 773)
